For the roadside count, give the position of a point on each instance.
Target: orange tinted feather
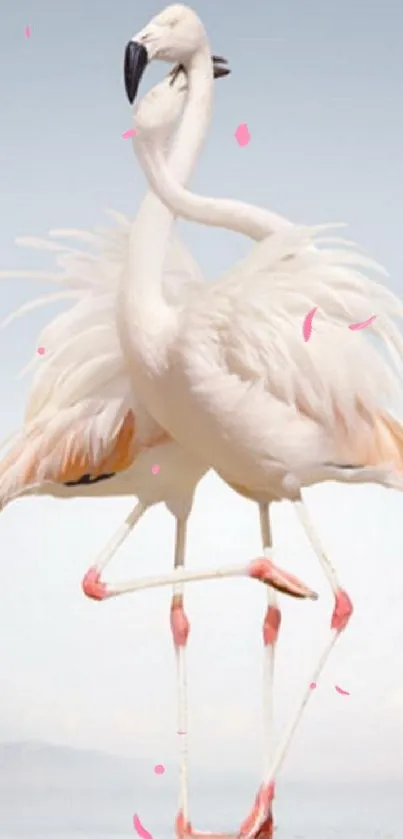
(377, 441)
(75, 462)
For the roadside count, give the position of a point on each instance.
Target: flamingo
(106, 444)
(228, 375)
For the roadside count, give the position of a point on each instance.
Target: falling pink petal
(242, 135)
(363, 324)
(27, 31)
(313, 686)
(129, 133)
(41, 350)
(140, 830)
(155, 469)
(343, 692)
(307, 324)
(159, 769)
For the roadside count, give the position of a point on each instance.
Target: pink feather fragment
(129, 133)
(307, 324)
(363, 324)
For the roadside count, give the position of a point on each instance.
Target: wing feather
(259, 308)
(81, 395)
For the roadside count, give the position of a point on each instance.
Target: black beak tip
(221, 72)
(136, 60)
(220, 67)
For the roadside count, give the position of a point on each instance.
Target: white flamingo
(106, 444)
(229, 375)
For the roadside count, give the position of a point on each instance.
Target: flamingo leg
(341, 615)
(180, 631)
(180, 628)
(260, 823)
(109, 551)
(262, 569)
(271, 627)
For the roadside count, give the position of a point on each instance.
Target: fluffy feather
(239, 356)
(274, 288)
(81, 401)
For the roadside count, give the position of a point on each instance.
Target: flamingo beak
(136, 60)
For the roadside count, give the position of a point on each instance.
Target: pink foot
(342, 611)
(266, 571)
(180, 625)
(271, 625)
(259, 824)
(266, 831)
(92, 585)
(184, 830)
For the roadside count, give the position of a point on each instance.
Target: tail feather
(390, 441)
(38, 458)
(376, 442)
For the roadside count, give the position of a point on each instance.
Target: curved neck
(143, 310)
(254, 222)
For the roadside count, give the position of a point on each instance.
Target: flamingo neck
(143, 312)
(247, 219)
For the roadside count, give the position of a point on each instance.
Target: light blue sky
(320, 85)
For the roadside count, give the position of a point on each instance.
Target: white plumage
(82, 344)
(229, 375)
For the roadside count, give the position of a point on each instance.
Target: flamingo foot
(266, 831)
(180, 625)
(343, 609)
(259, 824)
(93, 586)
(184, 830)
(266, 571)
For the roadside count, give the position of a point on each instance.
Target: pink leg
(180, 625)
(261, 818)
(92, 585)
(343, 609)
(271, 628)
(260, 822)
(261, 569)
(180, 628)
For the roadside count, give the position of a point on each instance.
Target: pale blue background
(320, 85)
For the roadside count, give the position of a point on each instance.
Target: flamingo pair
(106, 443)
(216, 376)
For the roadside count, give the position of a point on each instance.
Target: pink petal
(307, 324)
(129, 133)
(242, 135)
(140, 830)
(363, 324)
(28, 31)
(343, 692)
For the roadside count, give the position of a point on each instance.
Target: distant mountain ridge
(57, 791)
